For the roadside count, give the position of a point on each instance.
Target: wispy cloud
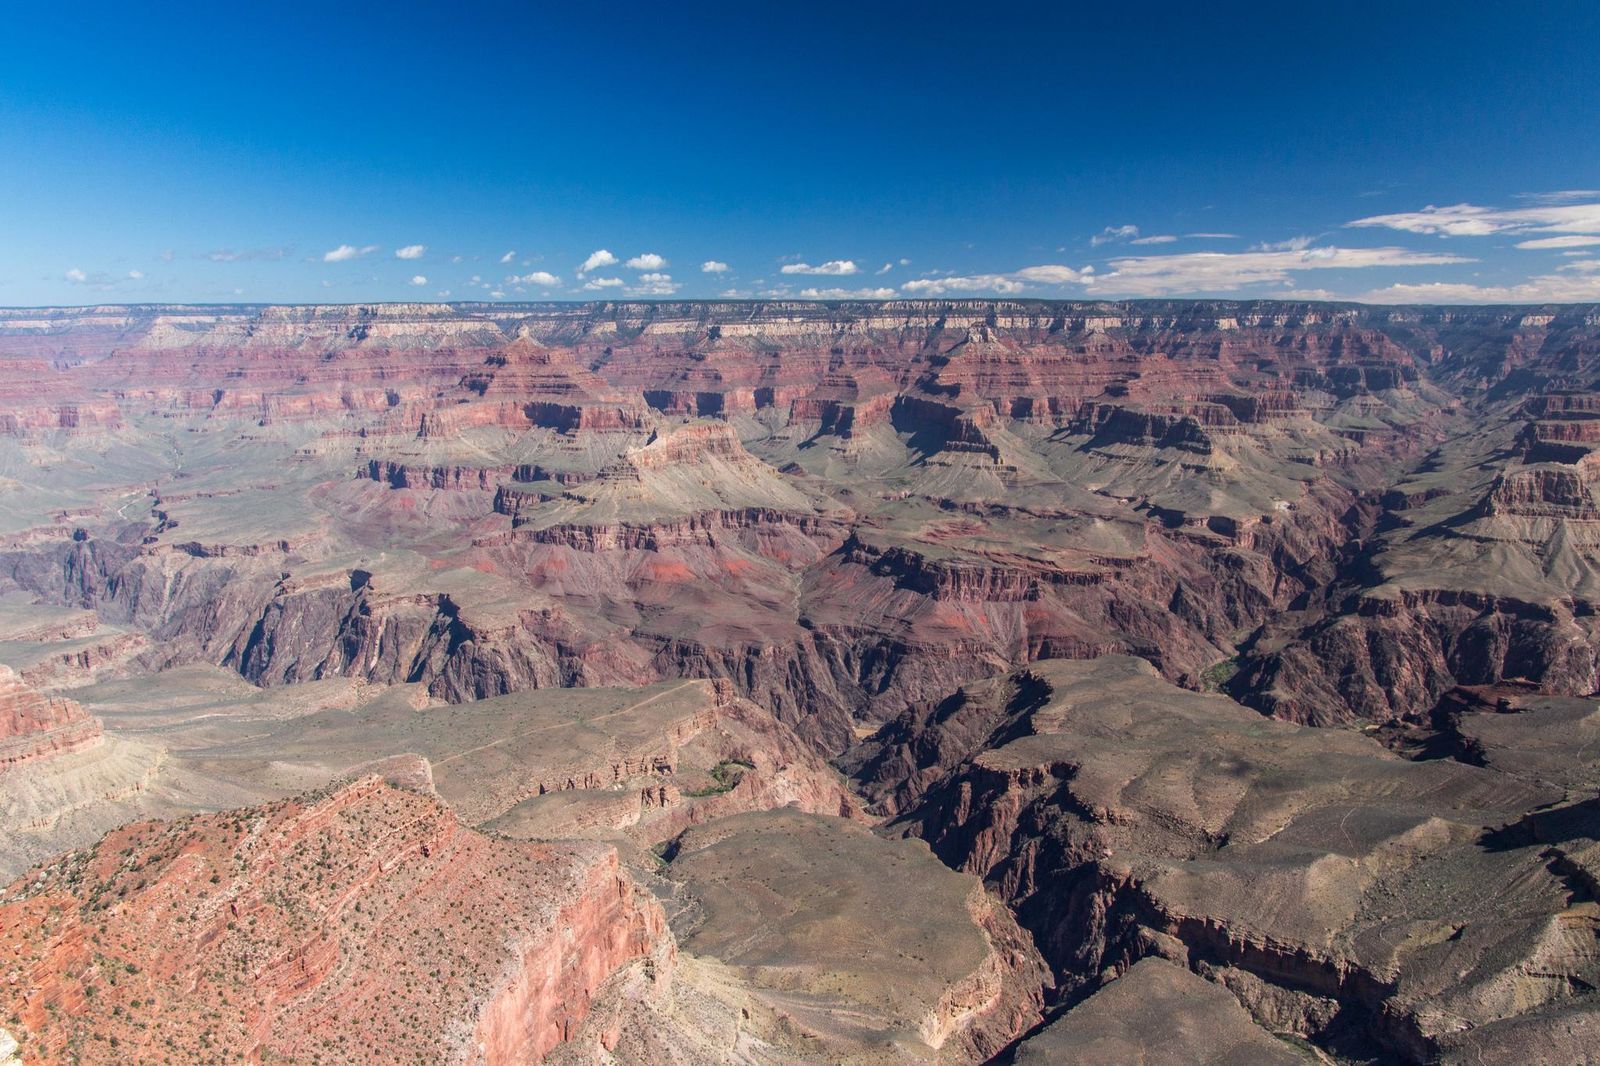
(1199, 272)
(1472, 220)
(848, 294)
(596, 284)
(99, 279)
(229, 255)
(1160, 238)
(1547, 288)
(1561, 196)
(1559, 242)
(346, 252)
(508, 257)
(411, 251)
(1213, 236)
(713, 266)
(418, 279)
(832, 268)
(1114, 233)
(1293, 244)
(596, 260)
(647, 261)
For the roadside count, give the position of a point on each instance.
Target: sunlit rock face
(317, 927)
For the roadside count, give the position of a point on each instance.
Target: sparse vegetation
(726, 774)
(1219, 674)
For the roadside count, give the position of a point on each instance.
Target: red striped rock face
(34, 726)
(362, 925)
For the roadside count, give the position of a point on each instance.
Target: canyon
(909, 681)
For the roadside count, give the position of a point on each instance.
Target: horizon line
(752, 300)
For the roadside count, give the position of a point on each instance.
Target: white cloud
(538, 277)
(653, 284)
(1214, 236)
(1471, 220)
(498, 295)
(136, 275)
(418, 279)
(848, 294)
(77, 275)
(596, 260)
(647, 261)
(346, 252)
(1000, 283)
(1017, 281)
(884, 269)
(603, 283)
(1548, 288)
(411, 251)
(832, 268)
(509, 256)
(1192, 272)
(1559, 242)
(1114, 233)
(1053, 274)
(1160, 238)
(713, 266)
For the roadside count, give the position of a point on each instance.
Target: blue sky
(478, 151)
